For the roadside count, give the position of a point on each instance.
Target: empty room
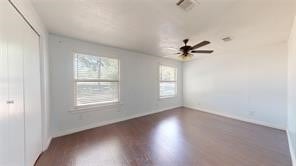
(147, 83)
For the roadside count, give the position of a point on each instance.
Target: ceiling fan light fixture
(186, 57)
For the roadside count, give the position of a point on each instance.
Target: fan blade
(172, 48)
(200, 45)
(203, 51)
(174, 54)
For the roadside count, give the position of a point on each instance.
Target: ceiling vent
(187, 4)
(227, 39)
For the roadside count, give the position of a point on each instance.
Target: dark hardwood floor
(178, 137)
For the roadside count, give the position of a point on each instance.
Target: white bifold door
(20, 98)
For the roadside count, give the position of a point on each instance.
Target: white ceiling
(155, 26)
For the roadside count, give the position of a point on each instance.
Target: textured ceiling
(157, 27)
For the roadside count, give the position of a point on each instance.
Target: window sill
(98, 107)
(167, 98)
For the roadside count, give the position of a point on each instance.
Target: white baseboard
(45, 147)
(292, 152)
(262, 123)
(99, 124)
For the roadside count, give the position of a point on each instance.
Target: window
(96, 80)
(168, 81)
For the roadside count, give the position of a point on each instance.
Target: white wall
(27, 9)
(245, 84)
(292, 92)
(139, 86)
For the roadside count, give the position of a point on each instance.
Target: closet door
(20, 93)
(33, 137)
(4, 118)
(13, 119)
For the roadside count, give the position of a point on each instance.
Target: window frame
(160, 81)
(75, 81)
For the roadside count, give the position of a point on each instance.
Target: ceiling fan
(187, 51)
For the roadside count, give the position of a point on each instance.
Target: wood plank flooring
(178, 137)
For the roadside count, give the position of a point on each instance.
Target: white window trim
(101, 107)
(93, 107)
(159, 81)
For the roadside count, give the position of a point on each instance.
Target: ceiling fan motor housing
(185, 49)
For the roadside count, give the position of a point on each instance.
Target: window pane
(167, 73)
(167, 89)
(94, 67)
(96, 92)
(86, 66)
(108, 68)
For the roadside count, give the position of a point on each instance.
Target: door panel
(15, 26)
(4, 118)
(32, 89)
